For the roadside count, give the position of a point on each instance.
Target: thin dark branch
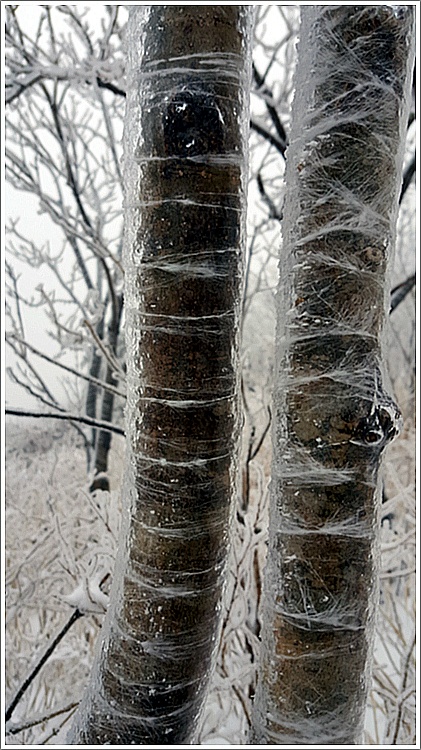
(399, 293)
(109, 87)
(273, 140)
(16, 728)
(407, 177)
(111, 288)
(47, 653)
(263, 435)
(10, 96)
(402, 691)
(67, 417)
(71, 370)
(69, 170)
(11, 273)
(16, 89)
(260, 82)
(81, 263)
(273, 211)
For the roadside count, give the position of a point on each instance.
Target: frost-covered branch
(40, 663)
(41, 719)
(31, 61)
(109, 355)
(268, 136)
(63, 149)
(274, 116)
(89, 379)
(400, 292)
(408, 175)
(67, 417)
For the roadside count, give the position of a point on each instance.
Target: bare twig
(403, 691)
(272, 139)
(273, 211)
(280, 130)
(263, 435)
(407, 177)
(16, 728)
(401, 291)
(110, 87)
(88, 378)
(107, 354)
(107, 426)
(45, 656)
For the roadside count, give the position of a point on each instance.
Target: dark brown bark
(333, 416)
(186, 130)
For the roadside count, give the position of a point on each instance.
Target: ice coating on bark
(333, 416)
(186, 179)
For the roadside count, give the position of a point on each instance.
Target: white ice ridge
(135, 716)
(308, 473)
(192, 257)
(182, 464)
(232, 158)
(213, 59)
(87, 597)
(350, 526)
(173, 532)
(186, 202)
(175, 590)
(332, 618)
(330, 725)
(186, 403)
(187, 318)
(187, 269)
(152, 74)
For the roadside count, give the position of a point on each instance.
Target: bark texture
(333, 416)
(185, 171)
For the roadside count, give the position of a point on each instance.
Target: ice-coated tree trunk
(185, 171)
(333, 416)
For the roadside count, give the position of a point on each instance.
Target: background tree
(63, 148)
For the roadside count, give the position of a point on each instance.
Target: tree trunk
(333, 417)
(186, 181)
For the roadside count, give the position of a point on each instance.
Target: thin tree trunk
(103, 441)
(332, 417)
(185, 172)
(92, 392)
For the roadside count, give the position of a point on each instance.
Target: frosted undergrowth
(391, 714)
(57, 539)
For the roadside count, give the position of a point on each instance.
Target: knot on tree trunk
(380, 426)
